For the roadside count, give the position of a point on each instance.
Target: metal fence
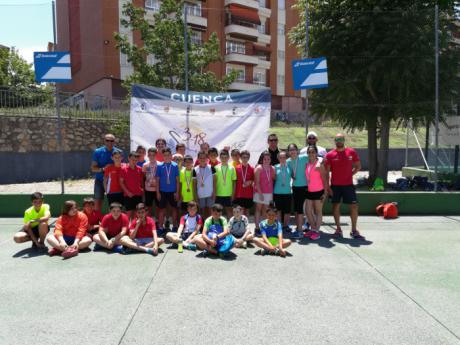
(40, 102)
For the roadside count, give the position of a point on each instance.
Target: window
(281, 4)
(193, 9)
(281, 30)
(261, 28)
(281, 79)
(262, 3)
(123, 60)
(260, 78)
(153, 5)
(280, 54)
(235, 47)
(195, 37)
(241, 77)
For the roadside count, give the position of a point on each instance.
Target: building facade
(252, 35)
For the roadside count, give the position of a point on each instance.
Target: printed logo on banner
(310, 73)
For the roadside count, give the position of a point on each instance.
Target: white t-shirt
(150, 169)
(238, 227)
(321, 151)
(204, 181)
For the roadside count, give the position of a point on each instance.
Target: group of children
(75, 230)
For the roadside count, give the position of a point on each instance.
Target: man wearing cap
(312, 138)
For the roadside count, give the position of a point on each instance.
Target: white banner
(449, 132)
(240, 119)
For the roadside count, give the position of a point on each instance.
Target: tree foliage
(165, 41)
(381, 62)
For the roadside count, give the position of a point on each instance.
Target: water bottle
(180, 246)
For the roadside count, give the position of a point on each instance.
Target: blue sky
(26, 25)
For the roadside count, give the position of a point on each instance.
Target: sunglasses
(339, 139)
(109, 140)
(273, 140)
(311, 138)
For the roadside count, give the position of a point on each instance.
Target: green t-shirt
(225, 175)
(209, 221)
(298, 167)
(186, 178)
(31, 214)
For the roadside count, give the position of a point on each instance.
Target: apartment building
(252, 34)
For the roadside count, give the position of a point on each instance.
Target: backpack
(378, 185)
(388, 210)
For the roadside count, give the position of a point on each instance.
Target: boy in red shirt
(94, 217)
(142, 233)
(131, 181)
(113, 227)
(69, 232)
(112, 179)
(244, 191)
(343, 163)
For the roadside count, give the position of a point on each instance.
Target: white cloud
(28, 52)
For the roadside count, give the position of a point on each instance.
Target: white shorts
(143, 241)
(268, 197)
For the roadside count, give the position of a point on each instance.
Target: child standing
(244, 191)
(212, 155)
(94, 217)
(264, 175)
(142, 233)
(282, 195)
(205, 181)
(272, 235)
(131, 181)
(189, 228)
(112, 175)
(140, 150)
(35, 222)
(187, 180)
(238, 226)
(225, 182)
(150, 181)
(69, 232)
(235, 153)
(168, 182)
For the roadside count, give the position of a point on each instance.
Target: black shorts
(165, 199)
(131, 203)
(299, 194)
(150, 198)
(244, 202)
(315, 195)
(225, 201)
(115, 197)
(345, 193)
(283, 202)
(36, 232)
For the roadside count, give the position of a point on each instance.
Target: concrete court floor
(400, 287)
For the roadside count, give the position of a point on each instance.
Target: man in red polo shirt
(342, 163)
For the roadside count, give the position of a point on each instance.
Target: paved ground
(400, 287)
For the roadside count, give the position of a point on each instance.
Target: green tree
(165, 41)
(381, 65)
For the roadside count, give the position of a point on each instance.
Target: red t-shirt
(145, 230)
(114, 226)
(248, 172)
(113, 179)
(133, 179)
(341, 165)
(94, 218)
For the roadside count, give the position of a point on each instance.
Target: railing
(41, 103)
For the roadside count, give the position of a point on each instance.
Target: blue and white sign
(310, 73)
(52, 67)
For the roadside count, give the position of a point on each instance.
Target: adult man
(343, 163)
(102, 156)
(272, 149)
(312, 139)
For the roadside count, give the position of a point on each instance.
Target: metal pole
(187, 117)
(307, 44)
(436, 42)
(407, 142)
(58, 107)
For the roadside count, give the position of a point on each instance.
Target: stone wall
(37, 134)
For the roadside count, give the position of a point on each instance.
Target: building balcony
(265, 64)
(264, 38)
(242, 59)
(243, 86)
(197, 21)
(242, 30)
(244, 3)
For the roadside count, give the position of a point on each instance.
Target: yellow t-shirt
(187, 176)
(31, 214)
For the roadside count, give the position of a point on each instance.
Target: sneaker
(150, 251)
(338, 233)
(297, 234)
(118, 249)
(308, 234)
(306, 226)
(276, 252)
(53, 252)
(205, 253)
(244, 245)
(97, 247)
(69, 252)
(263, 252)
(191, 246)
(315, 235)
(357, 236)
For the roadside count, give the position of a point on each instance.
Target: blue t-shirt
(103, 157)
(283, 179)
(270, 230)
(298, 168)
(140, 164)
(162, 172)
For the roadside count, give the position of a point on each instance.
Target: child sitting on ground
(94, 217)
(238, 226)
(189, 228)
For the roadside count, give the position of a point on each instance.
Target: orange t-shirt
(75, 226)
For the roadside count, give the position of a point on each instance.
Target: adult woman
(318, 185)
